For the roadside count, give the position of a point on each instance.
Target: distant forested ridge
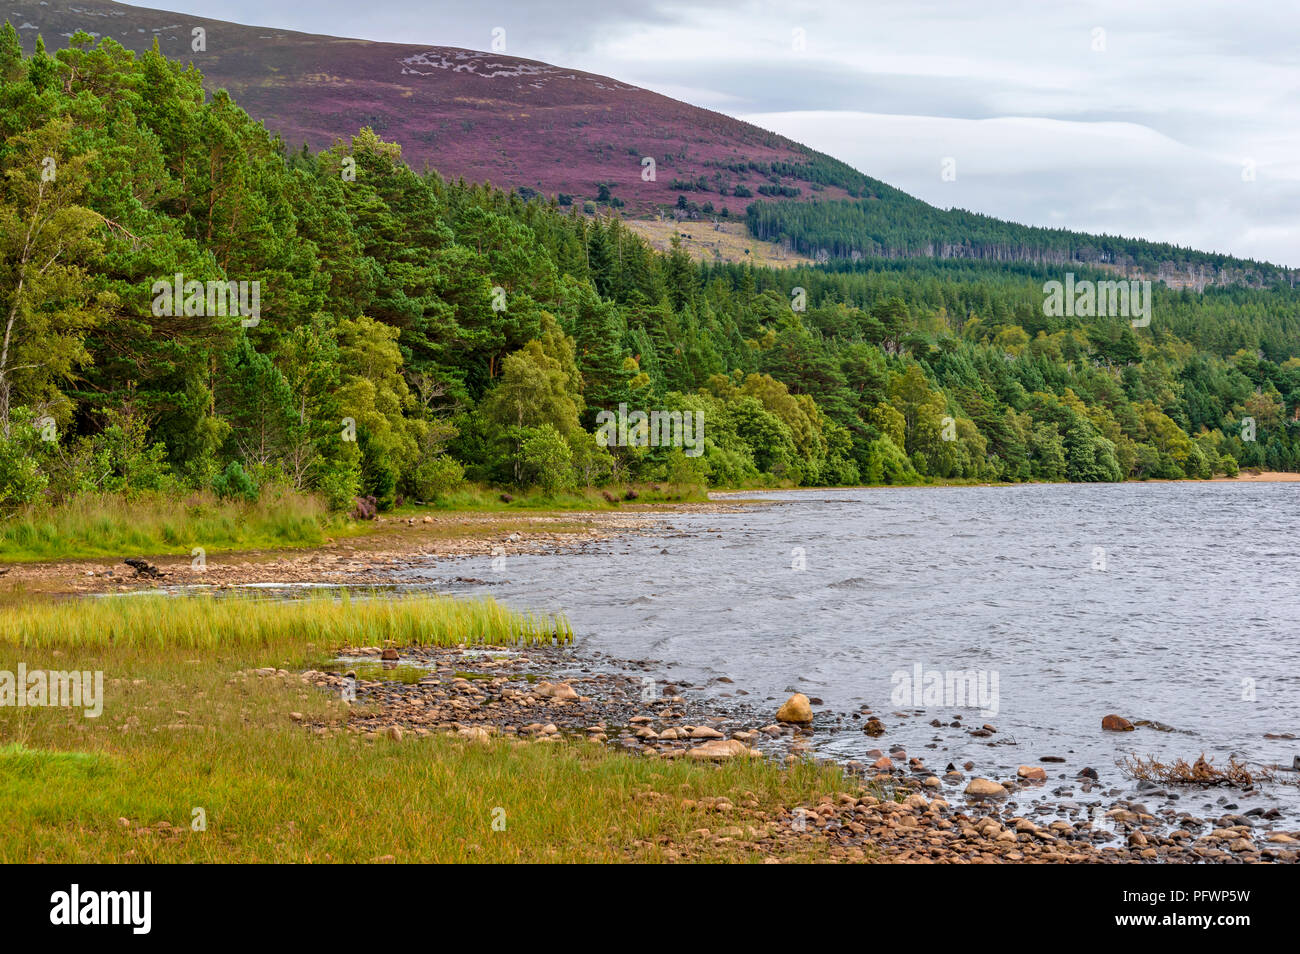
(888, 223)
(413, 333)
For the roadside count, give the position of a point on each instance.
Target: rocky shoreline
(898, 810)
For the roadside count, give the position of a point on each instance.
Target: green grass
(187, 724)
(272, 792)
(156, 524)
(161, 524)
(206, 621)
(16, 760)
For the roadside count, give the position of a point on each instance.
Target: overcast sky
(1173, 121)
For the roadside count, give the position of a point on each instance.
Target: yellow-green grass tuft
(210, 621)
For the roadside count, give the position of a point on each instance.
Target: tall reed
(210, 621)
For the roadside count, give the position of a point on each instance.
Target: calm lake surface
(1177, 603)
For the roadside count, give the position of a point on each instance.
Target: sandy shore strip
(368, 559)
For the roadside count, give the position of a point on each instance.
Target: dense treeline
(893, 224)
(393, 334)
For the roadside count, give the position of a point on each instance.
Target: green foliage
(437, 477)
(234, 483)
(339, 480)
(887, 464)
(545, 460)
(21, 478)
(120, 459)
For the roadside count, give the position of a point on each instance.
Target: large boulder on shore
(984, 788)
(796, 709)
(555, 690)
(717, 750)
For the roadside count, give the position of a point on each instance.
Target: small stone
(1032, 773)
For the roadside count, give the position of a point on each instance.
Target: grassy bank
(167, 525)
(183, 730)
(157, 524)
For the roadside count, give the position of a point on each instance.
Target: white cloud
(1119, 178)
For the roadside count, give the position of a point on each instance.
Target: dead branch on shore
(1201, 772)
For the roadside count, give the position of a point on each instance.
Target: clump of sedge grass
(209, 621)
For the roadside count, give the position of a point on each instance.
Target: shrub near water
(322, 621)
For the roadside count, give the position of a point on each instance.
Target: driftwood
(1200, 772)
(143, 568)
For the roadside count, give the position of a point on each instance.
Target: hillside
(713, 242)
(534, 127)
(517, 123)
